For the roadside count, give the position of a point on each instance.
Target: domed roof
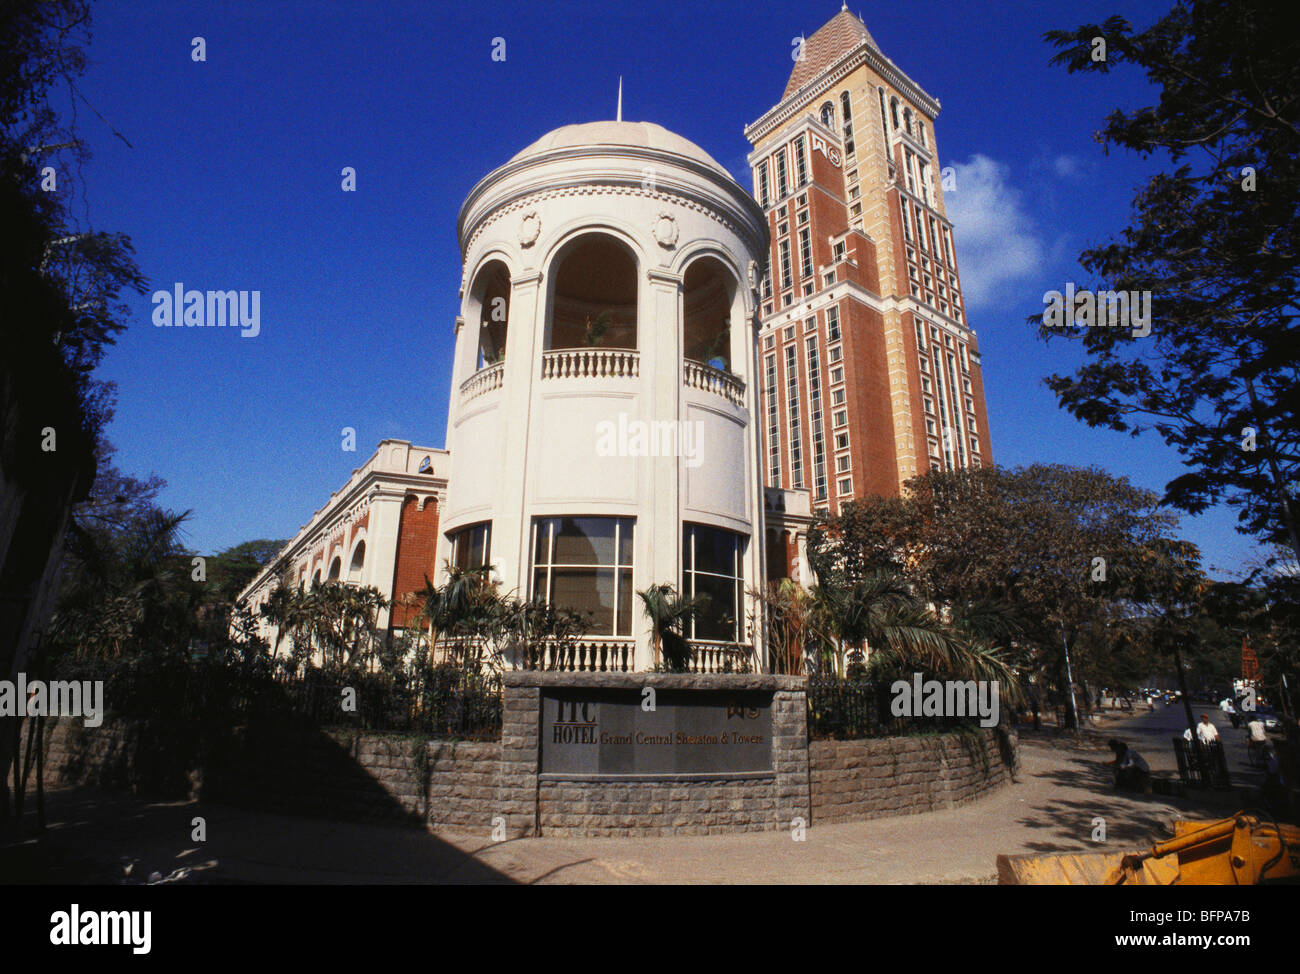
(642, 135)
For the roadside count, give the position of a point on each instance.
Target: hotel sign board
(607, 732)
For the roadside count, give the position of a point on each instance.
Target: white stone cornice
(750, 226)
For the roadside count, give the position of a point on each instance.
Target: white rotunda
(602, 418)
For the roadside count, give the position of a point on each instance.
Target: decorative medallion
(530, 228)
(665, 230)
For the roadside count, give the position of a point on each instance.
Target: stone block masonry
(332, 774)
(658, 804)
(855, 780)
(496, 789)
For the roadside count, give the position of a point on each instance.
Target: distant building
(379, 529)
(870, 369)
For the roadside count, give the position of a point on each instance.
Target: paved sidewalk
(95, 837)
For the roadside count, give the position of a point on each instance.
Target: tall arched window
(893, 112)
(594, 303)
(708, 292)
(828, 116)
(336, 567)
(491, 290)
(358, 563)
(907, 120)
(846, 114)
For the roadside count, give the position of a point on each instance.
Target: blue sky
(232, 181)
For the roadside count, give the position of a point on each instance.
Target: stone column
(381, 541)
(659, 529)
(790, 751)
(523, 362)
(520, 751)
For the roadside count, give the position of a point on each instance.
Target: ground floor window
(712, 565)
(584, 565)
(471, 547)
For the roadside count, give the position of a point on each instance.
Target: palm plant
(795, 629)
(882, 612)
(595, 330)
(668, 612)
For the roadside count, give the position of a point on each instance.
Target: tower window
(713, 565)
(584, 565)
(800, 163)
(847, 112)
(471, 547)
(828, 116)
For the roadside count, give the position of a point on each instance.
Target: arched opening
(358, 563)
(893, 112)
(708, 292)
(594, 301)
(907, 120)
(315, 579)
(828, 115)
(492, 292)
(336, 567)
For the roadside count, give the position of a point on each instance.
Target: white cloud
(1067, 166)
(997, 243)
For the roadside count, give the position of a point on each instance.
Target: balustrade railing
(697, 375)
(591, 363)
(484, 380)
(708, 656)
(582, 656)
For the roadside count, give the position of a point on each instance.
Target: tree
(1214, 242)
(1038, 558)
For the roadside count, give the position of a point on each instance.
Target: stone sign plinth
(626, 732)
(653, 753)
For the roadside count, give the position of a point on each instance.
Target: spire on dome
(842, 33)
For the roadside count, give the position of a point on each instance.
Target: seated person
(1131, 770)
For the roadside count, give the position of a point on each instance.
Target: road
(1152, 734)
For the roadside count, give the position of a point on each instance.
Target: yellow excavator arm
(1239, 851)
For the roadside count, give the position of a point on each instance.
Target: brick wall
(417, 546)
(853, 780)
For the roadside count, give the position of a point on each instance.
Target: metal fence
(847, 710)
(1202, 765)
(439, 702)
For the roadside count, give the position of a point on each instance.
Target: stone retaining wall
(477, 787)
(854, 780)
(333, 774)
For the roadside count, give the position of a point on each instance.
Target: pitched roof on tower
(838, 36)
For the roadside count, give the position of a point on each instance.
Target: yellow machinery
(1237, 851)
